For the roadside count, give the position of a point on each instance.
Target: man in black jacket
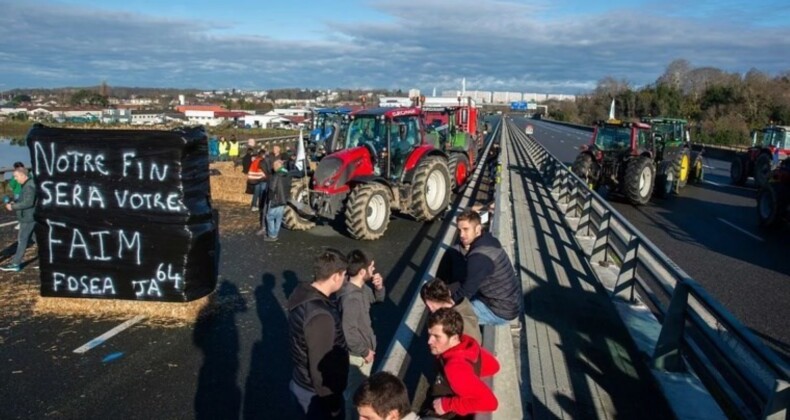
(490, 282)
(317, 346)
(24, 208)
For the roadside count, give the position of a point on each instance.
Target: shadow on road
(218, 396)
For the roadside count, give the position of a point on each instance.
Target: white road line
(744, 231)
(8, 224)
(109, 334)
(708, 167)
(713, 183)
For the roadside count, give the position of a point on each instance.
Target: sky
(543, 46)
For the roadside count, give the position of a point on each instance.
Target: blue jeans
(257, 193)
(274, 218)
(485, 316)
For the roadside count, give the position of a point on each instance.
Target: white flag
(611, 110)
(300, 154)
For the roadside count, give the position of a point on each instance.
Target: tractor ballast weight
(770, 146)
(385, 164)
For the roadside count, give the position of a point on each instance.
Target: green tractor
(631, 159)
(676, 163)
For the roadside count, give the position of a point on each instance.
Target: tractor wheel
(738, 173)
(430, 193)
(697, 172)
(665, 180)
(458, 165)
(771, 203)
(762, 170)
(639, 179)
(368, 211)
(292, 220)
(585, 168)
(681, 165)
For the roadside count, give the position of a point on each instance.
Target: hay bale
(230, 184)
(164, 313)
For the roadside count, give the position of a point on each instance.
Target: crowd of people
(333, 343)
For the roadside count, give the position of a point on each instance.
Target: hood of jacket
(467, 349)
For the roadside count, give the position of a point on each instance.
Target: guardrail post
(778, 405)
(626, 278)
(600, 246)
(667, 355)
(585, 218)
(573, 208)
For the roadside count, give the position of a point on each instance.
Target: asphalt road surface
(711, 231)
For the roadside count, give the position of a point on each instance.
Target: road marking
(713, 183)
(109, 334)
(8, 224)
(708, 167)
(744, 231)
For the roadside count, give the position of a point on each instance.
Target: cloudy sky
(552, 46)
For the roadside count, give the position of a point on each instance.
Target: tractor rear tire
(292, 220)
(585, 168)
(697, 172)
(430, 192)
(458, 165)
(738, 170)
(639, 180)
(762, 170)
(681, 165)
(771, 203)
(368, 211)
(665, 180)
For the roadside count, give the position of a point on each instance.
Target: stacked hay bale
(228, 183)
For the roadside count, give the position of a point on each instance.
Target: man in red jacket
(458, 389)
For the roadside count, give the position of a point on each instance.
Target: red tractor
(769, 147)
(385, 164)
(454, 129)
(773, 199)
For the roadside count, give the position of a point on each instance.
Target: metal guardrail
(698, 334)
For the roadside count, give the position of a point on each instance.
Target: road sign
(529, 129)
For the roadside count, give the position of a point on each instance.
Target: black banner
(124, 214)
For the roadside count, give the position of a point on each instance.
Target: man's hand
(378, 281)
(437, 406)
(8, 207)
(370, 356)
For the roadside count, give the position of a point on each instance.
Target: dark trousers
(25, 231)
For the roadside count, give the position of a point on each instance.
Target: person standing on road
(317, 346)
(276, 199)
(355, 301)
(25, 208)
(383, 396)
(458, 389)
(490, 283)
(437, 295)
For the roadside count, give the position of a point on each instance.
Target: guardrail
(697, 333)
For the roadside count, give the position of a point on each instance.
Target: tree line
(721, 107)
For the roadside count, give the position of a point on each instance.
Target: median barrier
(693, 343)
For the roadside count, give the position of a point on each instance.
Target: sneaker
(11, 267)
(269, 239)
(253, 208)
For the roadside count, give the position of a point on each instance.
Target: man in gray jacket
(24, 208)
(355, 301)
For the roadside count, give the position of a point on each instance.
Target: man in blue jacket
(490, 281)
(24, 208)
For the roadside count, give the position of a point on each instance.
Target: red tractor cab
(454, 130)
(770, 146)
(385, 164)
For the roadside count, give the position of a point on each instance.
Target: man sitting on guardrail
(437, 295)
(490, 282)
(383, 396)
(458, 389)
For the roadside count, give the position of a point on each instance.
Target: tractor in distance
(327, 125)
(454, 129)
(774, 197)
(676, 163)
(384, 164)
(769, 147)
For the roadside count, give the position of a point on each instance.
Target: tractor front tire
(771, 203)
(681, 165)
(665, 180)
(292, 220)
(697, 172)
(738, 172)
(639, 180)
(368, 211)
(762, 170)
(458, 165)
(430, 192)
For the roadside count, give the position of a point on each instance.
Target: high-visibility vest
(223, 148)
(234, 149)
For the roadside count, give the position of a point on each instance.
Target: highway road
(711, 231)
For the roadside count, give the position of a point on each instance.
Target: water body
(10, 153)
